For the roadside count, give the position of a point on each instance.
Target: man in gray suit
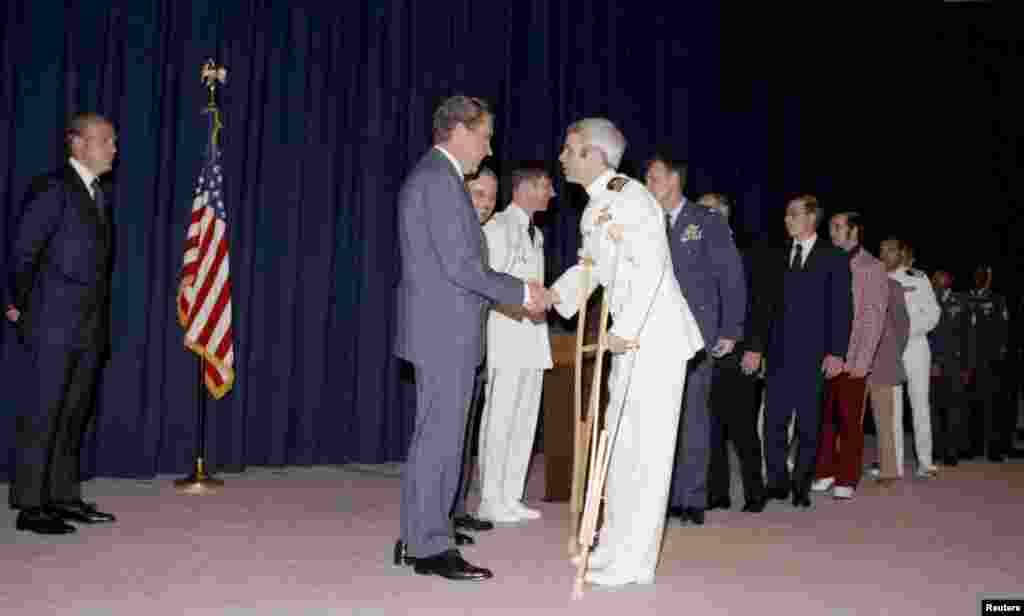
(439, 300)
(710, 273)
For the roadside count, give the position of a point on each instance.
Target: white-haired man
(653, 336)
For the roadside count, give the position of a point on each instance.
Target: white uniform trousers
(917, 361)
(640, 470)
(507, 430)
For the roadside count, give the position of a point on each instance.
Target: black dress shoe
(463, 539)
(950, 461)
(450, 565)
(40, 521)
(995, 456)
(719, 503)
(675, 512)
(694, 515)
(399, 559)
(1015, 454)
(754, 505)
(80, 511)
(468, 522)
(801, 499)
(776, 493)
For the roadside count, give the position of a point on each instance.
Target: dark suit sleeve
(39, 222)
(732, 286)
(458, 240)
(839, 305)
(764, 290)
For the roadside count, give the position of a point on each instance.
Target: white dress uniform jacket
(645, 384)
(513, 339)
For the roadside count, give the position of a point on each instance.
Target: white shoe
(926, 473)
(823, 484)
(842, 492)
(524, 512)
(607, 577)
(875, 471)
(497, 515)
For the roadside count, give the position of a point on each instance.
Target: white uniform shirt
(513, 339)
(922, 306)
(637, 271)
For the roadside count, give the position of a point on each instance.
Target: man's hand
(751, 362)
(13, 314)
(832, 366)
(621, 345)
(538, 303)
(855, 373)
(723, 347)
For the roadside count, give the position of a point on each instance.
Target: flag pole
(199, 482)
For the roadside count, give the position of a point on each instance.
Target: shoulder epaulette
(914, 272)
(617, 183)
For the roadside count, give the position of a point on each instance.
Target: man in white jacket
(518, 352)
(917, 358)
(653, 335)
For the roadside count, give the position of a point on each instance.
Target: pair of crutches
(591, 451)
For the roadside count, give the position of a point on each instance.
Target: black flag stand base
(199, 483)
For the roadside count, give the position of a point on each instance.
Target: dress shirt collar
(455, 161)
(600, 184)
(674, 213)
(83, 172)
(519, 214)
(806, 245)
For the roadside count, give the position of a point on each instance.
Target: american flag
(204, 308)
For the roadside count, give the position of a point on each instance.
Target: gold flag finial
(212, 75)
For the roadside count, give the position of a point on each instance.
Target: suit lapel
(812, 256)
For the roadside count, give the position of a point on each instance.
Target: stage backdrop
(327, 108)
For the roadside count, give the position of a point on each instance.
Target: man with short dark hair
(710, 273)
(948, 344)
(841, 453)
(810, 336)
(440, 298)
(60, 288)
(518, 352)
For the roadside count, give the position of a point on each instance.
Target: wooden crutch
(594, 448)
(581, 441)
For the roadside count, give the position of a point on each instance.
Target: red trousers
(841, 451)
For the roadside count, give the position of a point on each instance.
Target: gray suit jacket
(444, 284)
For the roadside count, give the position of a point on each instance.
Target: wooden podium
(557, 404)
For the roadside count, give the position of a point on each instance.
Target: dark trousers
(792, 391)
(950, 438)
(430, 477)
(734, 411)
(690, 474)
(57, 406)
(472, 429)
(997, 418)
(841, 451)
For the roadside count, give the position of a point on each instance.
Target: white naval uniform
(924, 313)
(646, 384)
(518, 352)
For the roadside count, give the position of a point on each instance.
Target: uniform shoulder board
(617, 183)
(915, 272)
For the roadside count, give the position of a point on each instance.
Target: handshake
(541, 299)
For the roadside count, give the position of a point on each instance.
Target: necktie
(668, 223)
(98, 198)
(531, 230)
(798, 257)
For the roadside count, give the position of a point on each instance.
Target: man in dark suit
(710, 273)
(733, 400)
(440, 302)
(60, 303)
(810, 333)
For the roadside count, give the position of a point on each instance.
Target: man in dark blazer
(440, 302)
(710, 274)
(733, 401)
(810, 333)
(59, 291)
